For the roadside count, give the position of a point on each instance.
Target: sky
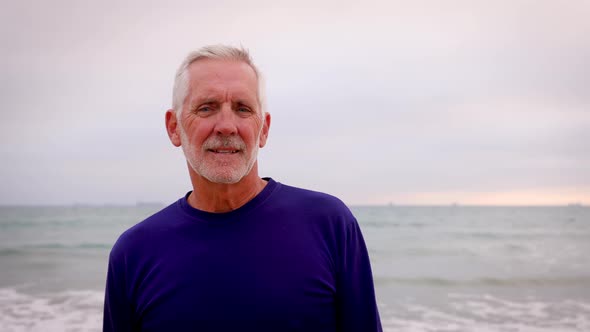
(403, 102)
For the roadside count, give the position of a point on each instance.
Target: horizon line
(160, 204)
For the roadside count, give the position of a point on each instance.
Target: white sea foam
(82, 311)
(52, 312)
(486, 313)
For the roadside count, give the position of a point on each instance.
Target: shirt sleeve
(118, 313)
(355, 293)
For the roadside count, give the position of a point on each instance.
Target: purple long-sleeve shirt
(288, 260)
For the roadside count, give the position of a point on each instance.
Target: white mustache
(216, 142)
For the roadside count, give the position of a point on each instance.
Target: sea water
(451, 268)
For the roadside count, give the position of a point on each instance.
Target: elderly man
(238, 252)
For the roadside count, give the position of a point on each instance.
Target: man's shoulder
(308, 194)
(147, 230)
(313, 201)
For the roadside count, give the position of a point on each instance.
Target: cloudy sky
(410, 102)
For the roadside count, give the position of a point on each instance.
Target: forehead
(223, 77)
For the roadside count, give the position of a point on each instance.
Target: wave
(44, 223)
(25, 249)
(518, 235)
(487, 313)
(435, 251)
(487, 281)
(391, 224)
(84, 245)
(439, 251)
(61, 311)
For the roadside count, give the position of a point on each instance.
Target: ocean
(440, 268)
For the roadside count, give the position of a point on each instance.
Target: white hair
(221, 52)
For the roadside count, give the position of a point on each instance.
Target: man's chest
(283, 284)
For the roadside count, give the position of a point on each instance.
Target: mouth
(223, 151)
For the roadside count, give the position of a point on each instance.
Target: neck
(220, 197)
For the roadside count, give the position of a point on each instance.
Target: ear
(265, 129)
(172, 127)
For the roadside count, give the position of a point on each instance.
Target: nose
(226, 121)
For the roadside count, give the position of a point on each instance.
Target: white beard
(214, 171)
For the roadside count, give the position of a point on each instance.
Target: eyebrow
(203, 100)
(242, 102)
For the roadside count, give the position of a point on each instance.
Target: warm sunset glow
(545, 197)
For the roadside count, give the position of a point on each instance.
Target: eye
(204, 110)
(243, 109)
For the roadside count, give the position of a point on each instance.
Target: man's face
(221, 127)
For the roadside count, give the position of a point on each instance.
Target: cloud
(370, 102)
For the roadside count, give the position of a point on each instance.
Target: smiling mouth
(224, 151)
